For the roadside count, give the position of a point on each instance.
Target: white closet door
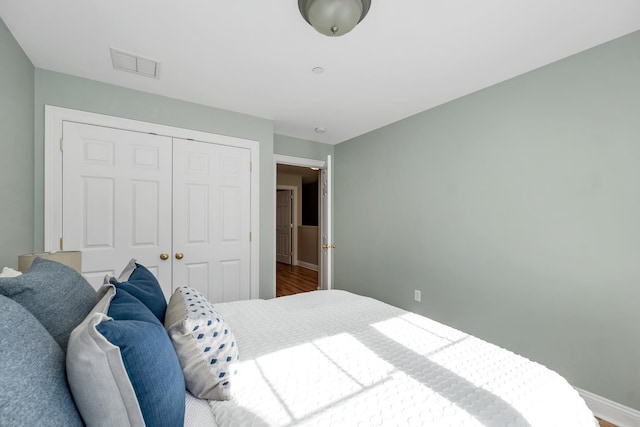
(211, 221)
(117, 200)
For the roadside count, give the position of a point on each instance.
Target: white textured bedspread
(331, 358)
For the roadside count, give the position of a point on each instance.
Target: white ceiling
(256, 56)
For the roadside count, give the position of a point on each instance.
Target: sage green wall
(295, 147)
(67, 91)
(16, 158)
(516, 211)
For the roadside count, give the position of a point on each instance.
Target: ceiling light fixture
(334, 17)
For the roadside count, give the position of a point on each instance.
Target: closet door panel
(197, 206)
(211, 219)
(99, 212)
(145, 220)
(117, 200)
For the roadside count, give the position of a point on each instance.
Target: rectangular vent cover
(132, 63)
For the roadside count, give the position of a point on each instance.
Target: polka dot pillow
(205, 345)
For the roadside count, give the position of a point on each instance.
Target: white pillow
(10, 272)
(89, 361)
(205, 345)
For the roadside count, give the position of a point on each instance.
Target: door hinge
(250, 166)
(61, 144)
(250, 236)
(61, 244)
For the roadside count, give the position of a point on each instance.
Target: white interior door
(284, 226)
(326, 245)
(116, 200)
(211, 219)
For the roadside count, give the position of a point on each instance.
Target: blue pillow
(142, 284)
(58, 296)
(125, 306)
(34, 386)
(120, 347)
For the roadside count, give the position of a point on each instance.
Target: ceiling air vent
(125, 61)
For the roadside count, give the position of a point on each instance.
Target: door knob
(179, 255)
(164, 256)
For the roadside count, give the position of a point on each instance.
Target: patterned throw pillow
(204, 343)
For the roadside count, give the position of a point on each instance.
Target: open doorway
(298, 213)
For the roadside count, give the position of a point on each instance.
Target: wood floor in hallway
(293, 279)
(604, 423)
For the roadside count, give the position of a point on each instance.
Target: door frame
(53, 145)
(294, 220)
(324, 268)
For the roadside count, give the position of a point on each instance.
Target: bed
(320, 358)
(335, 358)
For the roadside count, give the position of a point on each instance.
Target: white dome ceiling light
(334, 17)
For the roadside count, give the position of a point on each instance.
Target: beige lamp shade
(71, 259)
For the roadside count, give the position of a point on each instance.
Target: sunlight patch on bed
(434, 327)
(455, 358)
(400, 391)
(422, 338)
(333, 380)
(256, 395)
(492, 369)
(338, 367)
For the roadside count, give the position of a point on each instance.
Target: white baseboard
(307, 265)
(608, 410)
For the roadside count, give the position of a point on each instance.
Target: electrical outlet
(417, 295)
